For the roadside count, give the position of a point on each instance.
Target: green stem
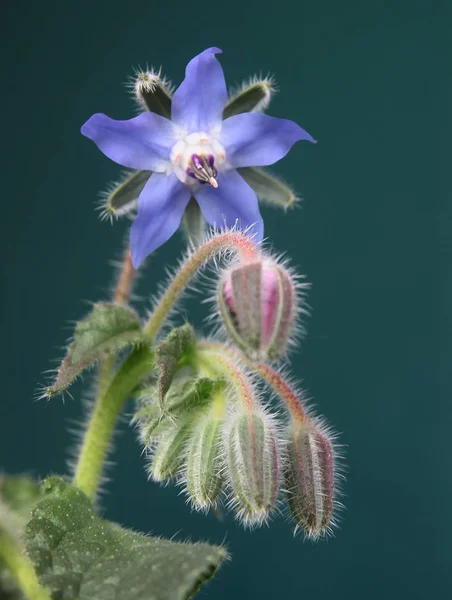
(209, 359)
(21, 568)
(107, 409)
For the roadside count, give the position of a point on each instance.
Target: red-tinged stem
(287, 394)
(125, 281)
(232, 241)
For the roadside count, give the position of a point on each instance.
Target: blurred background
(371, 81)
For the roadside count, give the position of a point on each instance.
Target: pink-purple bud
(257, 303)
(310, 479)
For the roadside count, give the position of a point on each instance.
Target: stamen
(203, 169)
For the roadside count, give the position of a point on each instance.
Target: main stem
(107, 409)
(233, 241)
(113, 391)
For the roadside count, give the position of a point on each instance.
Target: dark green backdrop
(370, 81)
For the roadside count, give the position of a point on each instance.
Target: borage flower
(196, 154)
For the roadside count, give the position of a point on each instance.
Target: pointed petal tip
(214, 50)
(87, 127)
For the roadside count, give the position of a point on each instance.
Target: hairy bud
(309, 478)
(204, 458)
(152, 92)
(257, 303)
(251, 444)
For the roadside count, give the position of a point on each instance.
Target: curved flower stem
(225, 366)
(125, 280)
(229, 241)
(274, 379)
(12, 555)
(107, 408)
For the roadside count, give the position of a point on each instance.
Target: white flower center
(197, 158)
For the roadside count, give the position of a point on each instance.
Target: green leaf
(172, 353)
(254, 96)
(268, 188)
(122, 198)
(106, 330)
(78, 555)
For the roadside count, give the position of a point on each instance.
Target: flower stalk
(291, 399)
(230, 240)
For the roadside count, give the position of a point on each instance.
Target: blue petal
(160, 208)
(232, 203)
(256, 140)
(143, 142)
(198, 102)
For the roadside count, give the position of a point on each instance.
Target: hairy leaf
(106, 330)
(78, 555)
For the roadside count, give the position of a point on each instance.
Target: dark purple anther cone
(211, 160)
(197, 161)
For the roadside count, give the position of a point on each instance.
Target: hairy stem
(274, 379)
(125, 280)
(222, 364)
(107, 409)
(232, 241)
(12, 555)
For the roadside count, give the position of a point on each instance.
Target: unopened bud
(204, 460)
(309, 477)
(257, 303)
(153, 92)
(251, 444)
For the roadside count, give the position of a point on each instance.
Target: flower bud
(257, 303)
(153, 92)
(251, 446)
(309, 478)
(204, 461)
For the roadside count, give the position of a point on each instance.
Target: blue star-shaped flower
(195, 153)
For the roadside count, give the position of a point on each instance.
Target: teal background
(371, 81)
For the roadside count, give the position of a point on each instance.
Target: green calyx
(205, 456)
(253, 466)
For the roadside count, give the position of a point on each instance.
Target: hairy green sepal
(194, 224)
(171, 355)
(78, 555)
(187, 393)
(253, 97)
(108, 329)
(122, 197)
(269, 188)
